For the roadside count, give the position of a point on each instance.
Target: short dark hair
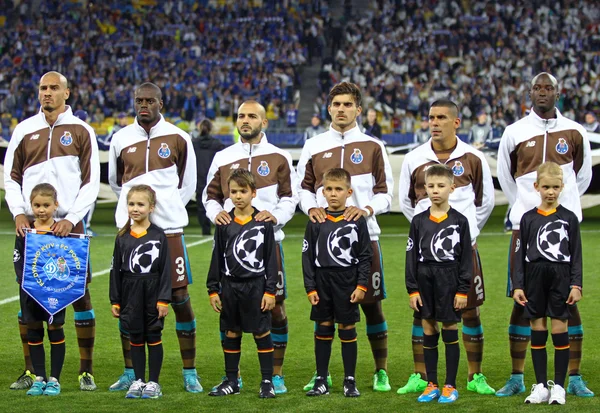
(243, 178)
(439, 170)
(151, 86)
(445, 103)
(338, 174)
(346, 88)
(44, 189)
(205, 127)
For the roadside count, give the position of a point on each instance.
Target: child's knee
(347, 335)
(233, 334)
(56, 336)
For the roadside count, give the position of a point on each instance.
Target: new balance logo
(327, 155)
(34, 137)
(132, 149)
(235, 166)
(530, 144)
(180, 278)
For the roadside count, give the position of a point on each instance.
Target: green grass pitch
(299, 362)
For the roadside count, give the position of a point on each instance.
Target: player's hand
(574, 296)
(116, 311)
(353, 213)
(215, 302)
(21, 223)
(460, 302)
(163, 310)
(265, 216)
(357, 296)
(519, 297)
(268, 303)
(223, 218)
(317, 215)
(62, 228)
(415, 302)
(314, 298)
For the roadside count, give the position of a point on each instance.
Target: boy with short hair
(547, 279)
(336, 260)
(438, 277)
(243, 273)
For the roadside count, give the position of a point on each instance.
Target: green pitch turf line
(107, 270)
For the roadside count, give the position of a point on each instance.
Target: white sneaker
(539, 394)
(557, 393)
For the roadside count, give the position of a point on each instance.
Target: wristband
(576, 286)
(270, 295)
(368, 210)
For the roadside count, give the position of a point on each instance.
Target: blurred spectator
(205, 147)
(314, 129)
(423, 134)
(120, 122)
(291, 116)
(372, 128)
(591, 123)
(481, 132)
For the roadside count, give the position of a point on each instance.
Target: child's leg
(450, 339)
(431, 336)
(347, 334)
(560, 339)
(232, 348)
(323, 338)
(24, 341)
(35, 340)
(56, 334)
(126, 346)
(155, 355)
(138, 355)
(539, 356)
(264, 346)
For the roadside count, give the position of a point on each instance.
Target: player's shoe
(430, 394)
(86, 382)
(311, 384)
(24, 381)
(449, 394)
(191, 381)
(557, 393)
(415, 384)
(124, 382)
(539, 394)
(267, 390)
(479, 385)
(350, 389)
(320, 387)
(52, 387)
(279, 384)
(381, 381)
(514, 385)
(226, 388)
(152, 390)
(37, 388)
(576, 386)
(239, 380)
(135, 390)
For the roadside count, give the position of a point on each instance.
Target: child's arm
(364, 253)
(18, 258)
(576, 261)
(115, 280)
(518, 270)
(308, 261)
(271, 269)
(165, 290)
(410, 268)
(465, 271)
(213, 279)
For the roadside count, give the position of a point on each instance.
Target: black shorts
(241, 306)
(138, 304)
(335, 287)
(438, 285)
(32, 312)
(547, 288)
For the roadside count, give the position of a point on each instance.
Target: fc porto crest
(357, 156)
(164, 151)
(56, 269)
(66, 139)
(562, 146)
(263, 168)
(458, 169)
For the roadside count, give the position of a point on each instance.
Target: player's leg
(577, 386)
(519, 333)
(138, 359)
(56, 335)
(324, 332)
(347, 335)
(279, 327)
(375, 320)
(264, 347)
(35, 340)
(85, 329)
(128, 376)
(431, 336)
(232, 349)
(25, 380)
(560, 340)
(539, 356)
(450, 339)
(153, 390)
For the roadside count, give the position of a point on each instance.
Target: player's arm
(308, 261)
(364, 253)
(505, 168)
(186, 169)
(287, 192)
(410, 267)
(383, 188)
(306, 182)
(115, 279)
(115, 165)
(405, 190)
(484, 192)
(465, 270)
(18, 258)
(212, 195)
(14, 162)
(518, 274)
(164, 269)
(89, 164)
(213, 280)
(271, 269)
(582, 163)
(576, 254)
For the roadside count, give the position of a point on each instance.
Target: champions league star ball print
(553, 241)
(444, 242)
(339, 245)
(248, 249)
(144, 256)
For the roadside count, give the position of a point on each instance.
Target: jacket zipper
(250, 158)
(49, 142)
(148, 152)
(545, 139)
(343, 150)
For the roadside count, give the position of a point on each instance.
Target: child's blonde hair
(549, 169)
(146, 189)
(338, 174)
(44, 189)
(439, 170)
(243, 178)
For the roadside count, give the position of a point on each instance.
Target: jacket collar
(544, 123)
(153, 130)
(349, 133)
(67, 113)
(246, 146)
(460, 150)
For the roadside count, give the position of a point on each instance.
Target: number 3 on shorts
(180, 263)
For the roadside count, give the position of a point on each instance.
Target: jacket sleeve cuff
(313, 292)
(362, 288)
(72, 218)
(269, 294)
(414, 294)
